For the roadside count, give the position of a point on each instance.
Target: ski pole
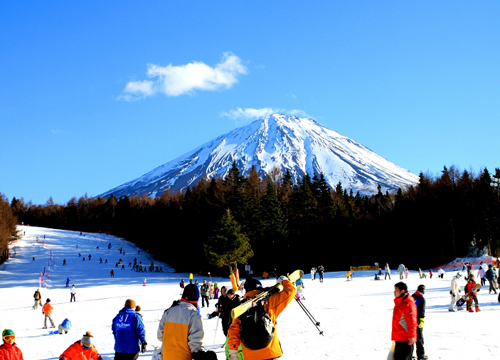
(216, 326)
(309, 315)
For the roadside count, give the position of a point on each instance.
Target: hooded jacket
(404, 318)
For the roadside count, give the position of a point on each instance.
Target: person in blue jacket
(128, 330)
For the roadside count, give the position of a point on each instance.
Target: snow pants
(469, 302)
(73, 298)
(203, 299)
(403, 351)
(126, 356)
(420, 343)
(454, 299)
(35, 306)
(492, 286)
(51, 321)
(386, 275)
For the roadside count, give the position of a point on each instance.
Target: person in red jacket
(404, 322)
(9, 349)
(83, 349)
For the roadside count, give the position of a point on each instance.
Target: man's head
(400, 289)
(191, 294)
(130, 303)
(421, 289)
(252, 284)
(230, 293)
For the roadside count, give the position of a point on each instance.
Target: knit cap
(130, 304)
(252, 284)
(191, 293)
(87, 339)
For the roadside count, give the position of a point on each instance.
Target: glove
(281, 278)
(451, 292)
(233, 355)
(143, 347)
(421, 323)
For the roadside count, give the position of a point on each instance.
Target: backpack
(257, 328)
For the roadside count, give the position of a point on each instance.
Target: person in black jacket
(491, 276)
(418, 296)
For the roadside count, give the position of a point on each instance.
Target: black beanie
(252, 284)
(191, 293)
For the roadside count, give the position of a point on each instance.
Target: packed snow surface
(354, 315)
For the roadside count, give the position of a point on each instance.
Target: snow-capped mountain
(280, 142)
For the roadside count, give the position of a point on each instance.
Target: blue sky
(97, 93)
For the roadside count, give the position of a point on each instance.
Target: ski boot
(478, 309)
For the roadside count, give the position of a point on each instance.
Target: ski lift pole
(309, 315)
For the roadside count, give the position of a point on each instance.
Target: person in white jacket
(73, 294)
(401, 271)
(454, 291)
(480, 274)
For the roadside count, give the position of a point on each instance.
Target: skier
(112, 272)
(67, 282)
(274, 306)
(454, 291)
(181, 330)
(38, 299)
(128, 330)
(64, 262)
(83, 349)
(418, 296)
(47, 311)
(73, 294)
(9, 349)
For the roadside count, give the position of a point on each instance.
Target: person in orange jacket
(9, 349)
(83, 349)
(274, 306)
(404, 322)
(47, 311)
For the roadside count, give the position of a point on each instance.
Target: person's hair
(401, 286)
(230, 292)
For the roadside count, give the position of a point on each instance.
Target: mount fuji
(273, 144)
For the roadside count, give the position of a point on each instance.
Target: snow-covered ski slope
(355, 315)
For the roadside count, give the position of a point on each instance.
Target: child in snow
(83, 349)
(64, 327)
(471, 295)
(9, 349)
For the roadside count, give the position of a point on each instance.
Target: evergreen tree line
(292, 226)
(8, 230)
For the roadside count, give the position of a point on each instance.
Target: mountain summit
(278, 142)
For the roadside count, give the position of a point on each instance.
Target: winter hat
(252, 284)
(458, 275)
(130, 304)
(191, 293)
(87, 339)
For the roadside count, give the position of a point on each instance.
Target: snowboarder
(454, 291)
(128, 330)
(418, 296)
(9, 349)
(73, 294)
(274, 306)
(404, 322)
(83, 349)
(47, 311)
(38, 299)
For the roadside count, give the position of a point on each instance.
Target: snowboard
(237, 311)
(464, 298)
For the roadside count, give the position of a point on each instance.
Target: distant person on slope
(321, 272)
(47, 311)
(38, 299)
(387, 271)
(471, 294)
(491, 276)
(401, 271)
(73, 293)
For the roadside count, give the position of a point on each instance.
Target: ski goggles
(9, 338)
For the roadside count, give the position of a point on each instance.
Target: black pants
(403, 351)
(203, 299)
(126, 356)
(73, 298)
(420, 343)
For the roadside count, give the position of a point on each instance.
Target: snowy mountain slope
(282, 142)
(354, 315)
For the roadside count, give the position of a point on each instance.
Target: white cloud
(186, 79)
(253, 114)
